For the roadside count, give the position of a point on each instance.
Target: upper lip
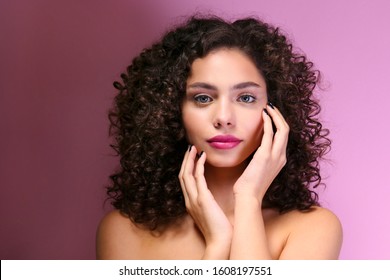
(224, 138)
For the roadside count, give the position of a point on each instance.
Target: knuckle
(197, 176)
(188, 207)
(200, 202)
(283, 160)
(184, 180)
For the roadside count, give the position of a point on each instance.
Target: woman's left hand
(203, 208)
(268, 160)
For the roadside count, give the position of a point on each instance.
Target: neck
(220, 182)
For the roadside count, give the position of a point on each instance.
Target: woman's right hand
(203, 208)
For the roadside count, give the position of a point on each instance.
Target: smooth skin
(222, 188)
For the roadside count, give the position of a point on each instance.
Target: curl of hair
(150, 138)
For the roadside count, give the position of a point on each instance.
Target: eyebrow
(246, 85)
(202, 86)
(211, 87)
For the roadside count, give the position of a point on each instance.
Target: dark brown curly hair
(149, 134)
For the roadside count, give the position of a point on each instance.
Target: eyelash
(198, 98)
(252, 98)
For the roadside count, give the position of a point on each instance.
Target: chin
(225, 162)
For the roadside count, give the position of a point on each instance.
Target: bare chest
(188, 243)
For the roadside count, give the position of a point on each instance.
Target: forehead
(224, 65)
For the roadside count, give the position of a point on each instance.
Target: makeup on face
(224, 142)
(223, 107)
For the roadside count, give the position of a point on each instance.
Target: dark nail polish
(271, 105)
(201, 153)
(189, 147)
(265, 110)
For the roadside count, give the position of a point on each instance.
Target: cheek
(256, 129)
(190, 123)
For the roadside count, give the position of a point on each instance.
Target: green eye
(247, 98)
(202, 99)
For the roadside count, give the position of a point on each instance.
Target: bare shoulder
(315, 216)
(313, 234)
(115, 233)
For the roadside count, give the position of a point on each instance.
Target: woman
(236, 101)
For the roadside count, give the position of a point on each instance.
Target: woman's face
(222, 109)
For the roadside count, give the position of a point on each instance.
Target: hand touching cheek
(269, 158)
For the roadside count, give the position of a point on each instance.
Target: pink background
(58, 60)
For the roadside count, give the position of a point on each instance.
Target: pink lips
(224, 142)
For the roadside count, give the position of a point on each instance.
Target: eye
(246, 98)
(203, 99)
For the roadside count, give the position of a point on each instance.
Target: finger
(266, 141)
(282, 128)
(188, 174)
(182, 185)
(201, 183)
(183, 163)
(277, 117)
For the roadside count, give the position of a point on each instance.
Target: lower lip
(224, 145)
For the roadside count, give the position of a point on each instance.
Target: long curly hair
(149, 135)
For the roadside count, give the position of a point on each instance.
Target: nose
(224, 115)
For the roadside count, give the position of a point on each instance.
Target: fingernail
(271, 105)
(189, 147)
(265, 111)
(201, 153)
